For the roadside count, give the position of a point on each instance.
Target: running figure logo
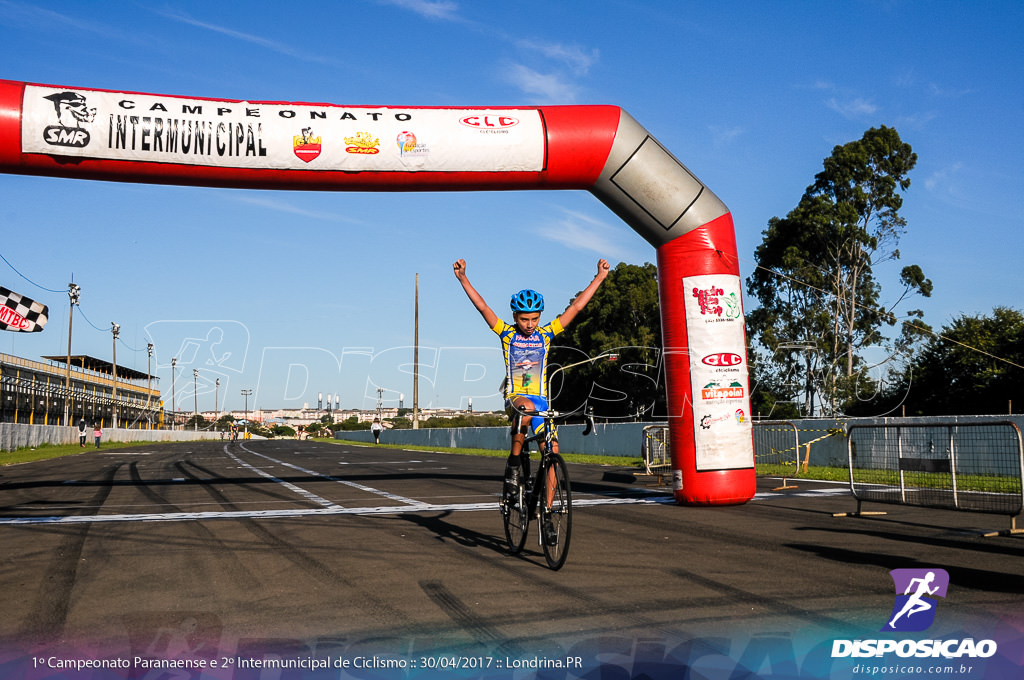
(914, 609)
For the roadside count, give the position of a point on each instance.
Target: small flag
(18, 313)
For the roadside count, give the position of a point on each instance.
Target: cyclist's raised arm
(577, 305)
(460, 273)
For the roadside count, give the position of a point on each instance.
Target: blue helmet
(527, 301)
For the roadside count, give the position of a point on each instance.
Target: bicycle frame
(520, 504)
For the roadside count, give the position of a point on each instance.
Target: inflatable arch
(136, 137)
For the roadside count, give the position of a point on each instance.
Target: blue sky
(295, 293)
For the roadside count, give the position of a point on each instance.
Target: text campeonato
(256, 112)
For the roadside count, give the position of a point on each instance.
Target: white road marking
(806, 493)
(354, 485)
(307, 512)
(288, 485)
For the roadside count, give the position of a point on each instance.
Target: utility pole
(149, 383)
(195, 398)
(174, 409)
(74, 292)
(416, 361)
(115, 331)
(246, 393)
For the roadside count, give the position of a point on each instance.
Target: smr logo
(71, 112)
(914, 609)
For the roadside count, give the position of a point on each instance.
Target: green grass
(618, 461)
(28, 454)
(833, 474)
(939, 481)
(820, 473)
(912, 480)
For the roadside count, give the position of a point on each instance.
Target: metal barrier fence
(777, 449)
(655, 449)
(974, 467)
(776, 442)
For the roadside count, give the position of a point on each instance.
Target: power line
(49, 290)
(879, 310)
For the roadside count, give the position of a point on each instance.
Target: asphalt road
(317, 550)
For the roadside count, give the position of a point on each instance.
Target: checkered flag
(18, 313)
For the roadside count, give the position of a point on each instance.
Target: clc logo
(489, 121)
(723, 359)
(914, 609)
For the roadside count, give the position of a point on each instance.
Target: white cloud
(581, 232)
(272, 45)
(433, 9)
(546, 88)
(852, 108)
(941, 181)
(287, 207)
(560, 59)
(575, 57)
(722, 135)
(950, 93)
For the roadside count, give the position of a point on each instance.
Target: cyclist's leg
(520, 407)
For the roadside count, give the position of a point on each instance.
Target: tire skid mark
(772, 604)
(53, 598)
(467, 621)
(312, 566)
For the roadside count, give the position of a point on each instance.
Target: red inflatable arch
(138, 137)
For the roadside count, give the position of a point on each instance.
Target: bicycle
(521, 497)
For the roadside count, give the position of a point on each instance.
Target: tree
(350, 423)
(973, 366)
(479, 420)
(197, 420)
(820, 303)
(624, 316)
(282, 431)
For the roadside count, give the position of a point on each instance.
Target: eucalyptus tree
(820, 303)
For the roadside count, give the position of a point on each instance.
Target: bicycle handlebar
(590, 422)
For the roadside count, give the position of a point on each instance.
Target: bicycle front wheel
(556, 518)
(514, 512)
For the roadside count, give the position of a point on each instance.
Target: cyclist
(525, 345)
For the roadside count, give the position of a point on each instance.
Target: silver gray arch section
(650, 189)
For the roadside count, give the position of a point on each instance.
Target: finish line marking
(309, 512)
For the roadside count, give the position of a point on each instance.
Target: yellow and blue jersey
(526, 358)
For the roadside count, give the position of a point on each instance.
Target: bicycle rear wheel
(556, 521)
(514, 512)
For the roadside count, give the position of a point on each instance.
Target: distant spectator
(376, 429)
(82, 433)
(97, 432)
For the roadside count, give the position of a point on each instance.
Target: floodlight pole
(246, 393)
(74, 291)
(174, 408)
(195, 398)
(149, 384)
(416, 360)
(115, 332)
